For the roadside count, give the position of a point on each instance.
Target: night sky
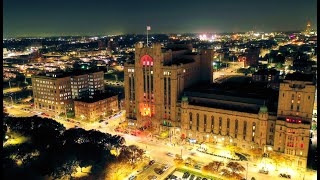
(105, 17)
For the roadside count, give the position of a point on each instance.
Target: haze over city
(39, 18)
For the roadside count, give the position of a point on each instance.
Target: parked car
(263, 171)
(192, 177)
(198, 178)
(285, 175)
(186, 175)
(166, 167)
(133, 177)
(197, 166)
(101, 121)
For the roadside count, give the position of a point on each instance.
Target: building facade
(156, 79)
(96, 108)
(293, 124)
(158, 92)
(52, 93)
(55, 92)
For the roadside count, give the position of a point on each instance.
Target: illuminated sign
(291, 120)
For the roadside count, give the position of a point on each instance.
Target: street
(156, 149)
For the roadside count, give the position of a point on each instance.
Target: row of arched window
(220, 125)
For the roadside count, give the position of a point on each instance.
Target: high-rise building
(154, 82)
(294, 116)
(52, 93)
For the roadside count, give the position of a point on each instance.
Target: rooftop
(96, 98)
(236, 90)
(63, 74)
(177, 61)
(297, 76)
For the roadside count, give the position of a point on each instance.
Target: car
(285, 175)
(146, 167)
(106, 123)
(68, 120)
(170, 154)
(133, 177)
(198, 178)
(192, 177)
(158, 171)
(165, 167)
(172, 177)
(101, 121)
(186, 175)
(263, 171)
(197, 166)
(204, 179)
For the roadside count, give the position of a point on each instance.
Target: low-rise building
(97, 107)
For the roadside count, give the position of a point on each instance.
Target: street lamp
(247, 172)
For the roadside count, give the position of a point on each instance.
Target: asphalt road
(156, 149)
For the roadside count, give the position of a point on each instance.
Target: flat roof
(96, 98)
(250, 93)
(297, 76)
(66, 74)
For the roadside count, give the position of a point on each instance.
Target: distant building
(32, 71)
(87, 84)
(266, 75)
(252, 56)
(96, 108)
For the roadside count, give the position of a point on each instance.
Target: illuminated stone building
(96, 108)
(169, 88)
(294, 116)
(154, 82)
(55, 91)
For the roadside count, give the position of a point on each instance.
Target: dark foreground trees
(56, 152)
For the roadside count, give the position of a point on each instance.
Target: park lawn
(16, 138)
(197, 173)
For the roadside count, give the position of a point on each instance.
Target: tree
(231, 175)
(235, 167)
(255, 152)
(277, 158)
(178, 161)
(213, 167)
(67, 168)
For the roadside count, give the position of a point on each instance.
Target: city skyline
(38, 19)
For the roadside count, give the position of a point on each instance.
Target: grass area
(203, 175)
(15, 138)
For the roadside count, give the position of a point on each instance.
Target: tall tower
(308, 27)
